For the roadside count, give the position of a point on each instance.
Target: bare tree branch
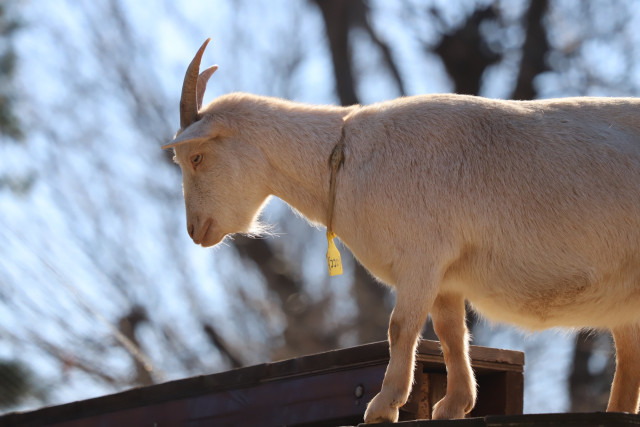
(338, 19)
(534, 51)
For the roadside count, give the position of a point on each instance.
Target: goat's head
(222, 192)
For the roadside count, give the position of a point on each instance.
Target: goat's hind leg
(448, 317)
(625, 390)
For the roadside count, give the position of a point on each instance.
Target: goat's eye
(195, 160)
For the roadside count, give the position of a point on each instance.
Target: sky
(105, 204)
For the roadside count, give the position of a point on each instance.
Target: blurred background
(101, 288)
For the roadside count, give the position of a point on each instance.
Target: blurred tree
(534, 51)
(340, 18)
(603, 25)
(15, 383)
(9, 25)
(16, 380)
(589, 384)
(295, 322)
(120, 85)
(11, 127)
(466, 53)
(112, 192)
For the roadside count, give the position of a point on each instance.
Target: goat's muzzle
(199, 232)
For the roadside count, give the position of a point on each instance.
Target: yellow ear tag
(333, 256)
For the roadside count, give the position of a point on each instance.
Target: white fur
(530, 210)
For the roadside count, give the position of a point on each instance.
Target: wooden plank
(482, 358)
(595, 419)
(427, 391)
(329, 399)
(321, 399)
(420, 401)
(499, 393)
(231, 386)
(492, 394)
(514, 399)
(477, 353)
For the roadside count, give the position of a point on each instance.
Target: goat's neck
(297, 143)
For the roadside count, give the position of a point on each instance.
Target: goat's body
(532, 207)
(530, 210)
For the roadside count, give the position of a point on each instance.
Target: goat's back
(535, 205)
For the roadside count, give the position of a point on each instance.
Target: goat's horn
(203, 78)
(188, 100)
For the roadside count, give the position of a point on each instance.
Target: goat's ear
(195, 132)
(180, 141)
(202, 130)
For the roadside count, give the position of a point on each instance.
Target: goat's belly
(600, 305)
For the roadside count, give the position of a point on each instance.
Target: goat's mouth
(206, 235)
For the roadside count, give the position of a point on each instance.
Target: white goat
(530, 210)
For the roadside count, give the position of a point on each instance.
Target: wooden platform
(591, 419)
(325, 389)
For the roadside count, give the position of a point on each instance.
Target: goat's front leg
(448, 317)
(407, 318)
(625, 390)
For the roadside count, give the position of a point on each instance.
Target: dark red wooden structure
(325, 389)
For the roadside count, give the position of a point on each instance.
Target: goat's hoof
(450, 409)
(380, 410)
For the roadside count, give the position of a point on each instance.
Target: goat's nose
(190, 229)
